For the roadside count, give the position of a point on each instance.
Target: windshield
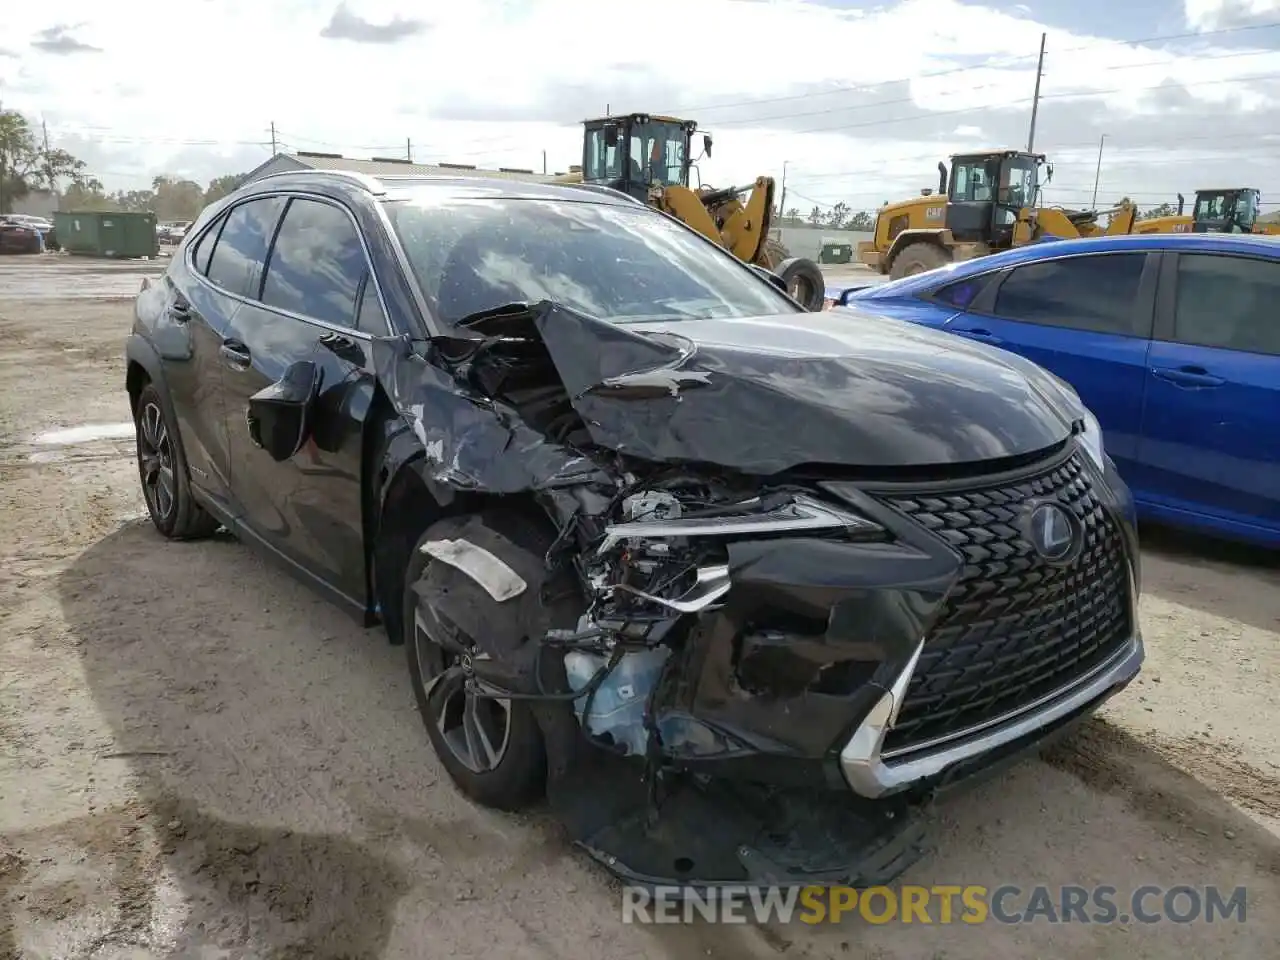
(1018, 182)
(657, 152)
(1247, 209)
(602, 162)
(1211, 206)
(617, 263)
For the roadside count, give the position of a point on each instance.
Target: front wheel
(917, 258)
(804, 282)
(491, 748)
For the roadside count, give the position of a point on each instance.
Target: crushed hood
(768, 394)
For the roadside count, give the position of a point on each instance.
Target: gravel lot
(199, 758)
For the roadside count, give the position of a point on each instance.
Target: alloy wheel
(155, 462)
(475, 729)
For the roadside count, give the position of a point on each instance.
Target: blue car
(1173, 340)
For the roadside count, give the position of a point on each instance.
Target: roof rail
(372, 184)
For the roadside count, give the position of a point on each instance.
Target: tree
(177, 199)
(815, 216)
(1163, 210)
(87, 195)
(26, 164)
(862, 221)
(219, 187)
(837, 215)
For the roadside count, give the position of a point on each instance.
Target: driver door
(314, 302)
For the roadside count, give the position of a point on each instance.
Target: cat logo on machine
(934, 213)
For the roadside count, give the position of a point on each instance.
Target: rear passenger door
(316, 300)
(1088, 319)
(1211, 424)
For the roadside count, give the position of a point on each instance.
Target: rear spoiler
(840, 296)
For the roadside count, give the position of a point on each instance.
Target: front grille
(1015, 629)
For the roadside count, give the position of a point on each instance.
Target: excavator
(1224, 210)
(649, 157)
(989, 201)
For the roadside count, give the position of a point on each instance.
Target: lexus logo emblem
(1053, 531)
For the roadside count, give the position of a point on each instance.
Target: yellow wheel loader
(1224, 210)
(649, 158)
(987, 203)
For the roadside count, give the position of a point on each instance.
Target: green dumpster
(100, 233)
(836, 251)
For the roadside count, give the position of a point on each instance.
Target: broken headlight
(777, 513)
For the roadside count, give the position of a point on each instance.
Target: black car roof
(402, 186)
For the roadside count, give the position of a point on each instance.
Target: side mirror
(611, 134)
(706, 144)
(279, 417)
(772, 277)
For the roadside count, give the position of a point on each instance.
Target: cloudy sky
(858, 98)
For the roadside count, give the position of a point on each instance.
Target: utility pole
(48, 164)
(1098, 171)
(408, 149)
(1035, 99)
(273, 138)
(544, 162)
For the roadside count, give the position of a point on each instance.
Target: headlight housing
(785, 514)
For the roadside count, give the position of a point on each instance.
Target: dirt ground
(199, 758)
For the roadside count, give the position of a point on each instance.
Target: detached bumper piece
(710, 833)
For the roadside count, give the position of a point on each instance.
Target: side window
(204, 246)
(1227, 302)
(369, 318)
(242, 245)
(962, 293)
(1097, 293)
(317, 264)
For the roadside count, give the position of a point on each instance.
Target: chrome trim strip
(249, 301)
(712, 584)
(872, 773)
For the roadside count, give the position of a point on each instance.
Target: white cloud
(193, 86)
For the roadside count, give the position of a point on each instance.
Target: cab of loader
(987, 191)
(1231, 210)
(638, 151)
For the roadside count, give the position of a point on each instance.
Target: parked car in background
(18, 235)
(1173, 340)
(631, 508)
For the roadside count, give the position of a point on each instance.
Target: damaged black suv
(735, 587)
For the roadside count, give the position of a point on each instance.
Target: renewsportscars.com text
(937, 904)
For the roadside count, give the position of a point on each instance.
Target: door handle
(1189, 376)
(982, 336)
(180, 311)
(236, 354)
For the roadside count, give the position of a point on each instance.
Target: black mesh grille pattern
(1016, 628)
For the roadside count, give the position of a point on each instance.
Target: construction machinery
(649, 157)
(1222, 210)
(988, 202)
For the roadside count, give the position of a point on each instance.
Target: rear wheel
(917, 258)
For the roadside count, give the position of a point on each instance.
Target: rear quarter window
(962, 293)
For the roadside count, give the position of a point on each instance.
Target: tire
(517, 777)
(162, 472)
(804, 282)
(917, 258)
